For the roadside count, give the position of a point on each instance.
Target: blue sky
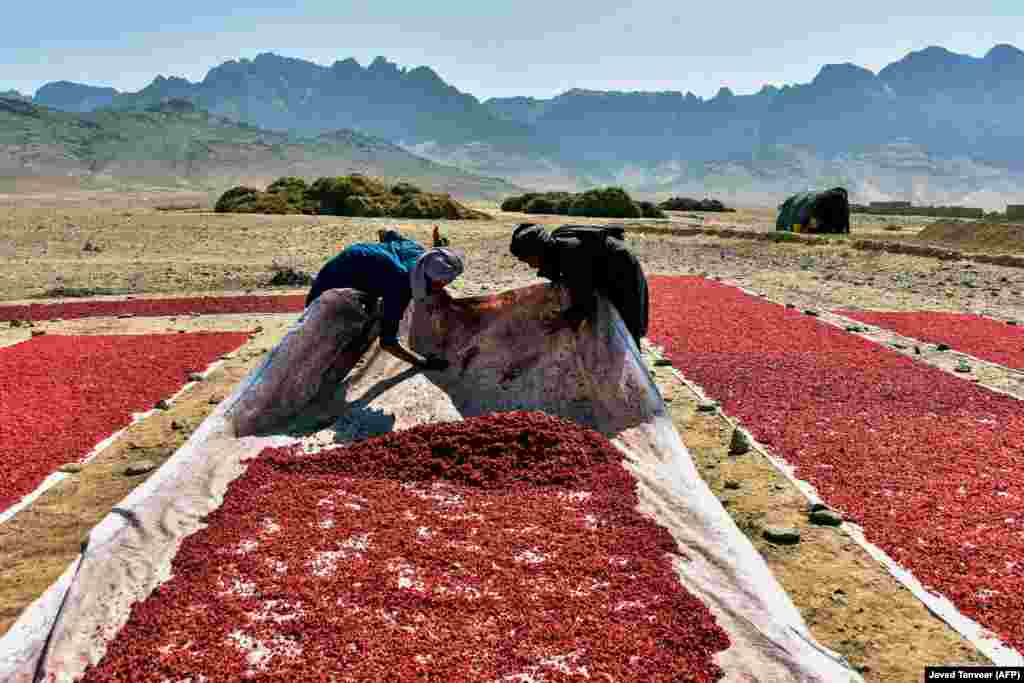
(496, 48)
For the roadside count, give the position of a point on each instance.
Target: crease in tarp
(504, 355)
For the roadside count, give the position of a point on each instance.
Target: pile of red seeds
(155, 307)
(931, 465)
(983, 338)
(499, 548)
(61, 395)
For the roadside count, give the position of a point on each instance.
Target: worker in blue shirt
(391, 272)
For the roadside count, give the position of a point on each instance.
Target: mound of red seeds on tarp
(980, 337)
(155, 307)
(62, 395)
(932, 466)
(504, 547)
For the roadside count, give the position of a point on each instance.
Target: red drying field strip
(155, 307)
(930, 465)
(505, 547)
(61, 395)
(982, 338)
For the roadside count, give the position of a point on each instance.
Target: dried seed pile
(503, 547)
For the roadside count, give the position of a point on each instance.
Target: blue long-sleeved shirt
(380, 270)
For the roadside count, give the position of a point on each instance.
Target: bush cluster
(351, 195)
(687, 204)
(608, 202)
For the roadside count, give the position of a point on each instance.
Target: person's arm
(413, 358)
(391, 317)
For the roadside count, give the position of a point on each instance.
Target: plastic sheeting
(506, 352)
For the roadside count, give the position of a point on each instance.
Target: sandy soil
(850, 603)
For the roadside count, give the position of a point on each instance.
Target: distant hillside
(176, 144)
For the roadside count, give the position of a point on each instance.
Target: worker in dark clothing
(588, 260)
(387, 274)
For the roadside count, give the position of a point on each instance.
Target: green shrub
(294, 191)
(288, 185)
(542, 204)
(272, 202)
(608, 202)
(688, 204)
(331, 192)
(361, 205)
(239, 199)
(404, 188)
(516, 204)
(649, 210)
(352, 195)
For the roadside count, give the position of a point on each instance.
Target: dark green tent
(830, 211)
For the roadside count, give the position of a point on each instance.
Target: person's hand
(435, 363)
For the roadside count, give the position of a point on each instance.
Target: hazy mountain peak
(426, 74)
(74, 97)
(173, 80)
(1005, 54)
(381, 65)
(930, 70)
(846, 77)
(930, 58)
(70, 85)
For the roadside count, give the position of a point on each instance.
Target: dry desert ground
(851, 604)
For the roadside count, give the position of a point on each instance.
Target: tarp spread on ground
(820, 212)
(421, 537)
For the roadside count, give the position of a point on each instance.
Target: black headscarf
(390, 236)
(528, 240)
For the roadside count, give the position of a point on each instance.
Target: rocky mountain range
(910, 131)
(282, 93)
